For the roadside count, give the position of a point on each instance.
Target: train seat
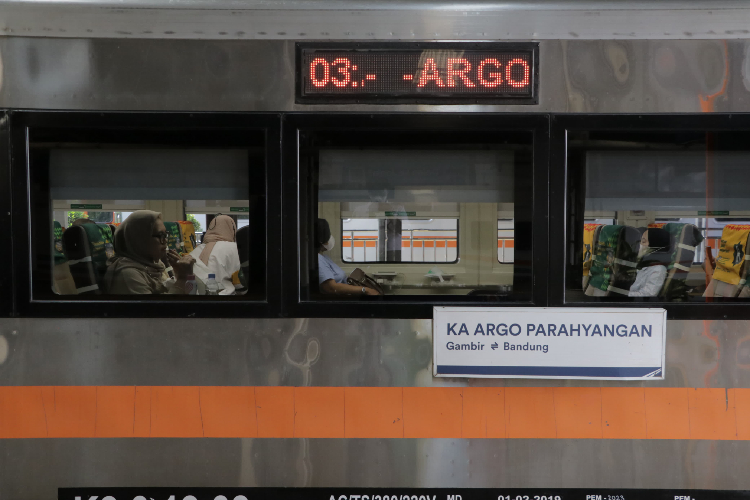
(685, 238)
(613, 263)
(243, 248)
(187, 232)
(174, 242)
(730, 274)
(174, 237)
(62, 280)
(88, 247)
(57, 248)
(590, 235)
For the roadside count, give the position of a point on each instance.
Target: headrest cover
(659, 238)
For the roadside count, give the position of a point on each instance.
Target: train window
(422, 216)
(157, 214)
(399, 240)
(505, 241)
(661, 216)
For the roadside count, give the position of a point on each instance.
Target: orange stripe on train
(375, 412)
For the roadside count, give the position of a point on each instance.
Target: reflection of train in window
(505, 241)
(422, 240)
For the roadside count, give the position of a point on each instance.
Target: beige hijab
(132, 246)
(221, 228)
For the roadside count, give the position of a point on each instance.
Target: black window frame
(297, 210)
(560, 198)
(7, 269)
(22, 122)
(550, 212)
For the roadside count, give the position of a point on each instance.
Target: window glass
(711, 229)
(505, 241)
(140, 219)
(412, 240)
(646, 208)
(420, 219)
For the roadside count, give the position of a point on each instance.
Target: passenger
(136, 268)
(654, 256)
(331, 278)
(218, 253)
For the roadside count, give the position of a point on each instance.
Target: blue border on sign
(552, 371)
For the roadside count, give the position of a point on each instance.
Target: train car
(364, 180)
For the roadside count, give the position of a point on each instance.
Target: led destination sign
(437, 73)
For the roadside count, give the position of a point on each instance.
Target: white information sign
(621, 344)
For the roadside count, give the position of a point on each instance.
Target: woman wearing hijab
(331, 278)
(218, 254)
(654, 256)
(136, 268)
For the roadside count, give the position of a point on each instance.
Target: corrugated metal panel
(374, 20)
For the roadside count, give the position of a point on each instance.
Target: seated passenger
(218, 253)
(654, 255)
(136, 268)
(331, 278)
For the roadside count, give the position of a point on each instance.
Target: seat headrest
(174, 236)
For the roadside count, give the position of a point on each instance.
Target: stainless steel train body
(595, 57)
